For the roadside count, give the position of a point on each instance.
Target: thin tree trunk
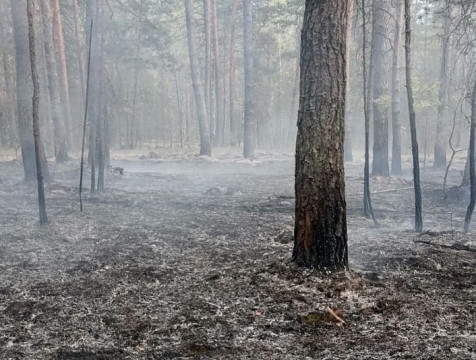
(472, 174)
(249, 124)
(320, 233)
(413, 130)
(61, 151)
(59, 45)
(234, 125)
(348, 124)
(35, 113)
(380, 89)
(440, 143)
(396, 124)
(205, 144)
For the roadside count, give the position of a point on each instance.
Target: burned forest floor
(188, 257)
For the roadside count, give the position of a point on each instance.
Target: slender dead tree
(413, 130)
(36, 118)
(469, 211)
(249, 139)
(233, 120)
(320, 232)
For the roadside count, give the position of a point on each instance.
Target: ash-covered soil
(189, 258)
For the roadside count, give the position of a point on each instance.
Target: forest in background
(142, 94)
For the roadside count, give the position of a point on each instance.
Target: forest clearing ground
(189, 257)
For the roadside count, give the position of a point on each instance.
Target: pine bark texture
(35, 112)
(413, 130)
(205, 144)
(380, 88)
(249, 138)
(320, 235)
(396, 123)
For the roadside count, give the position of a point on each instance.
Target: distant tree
(61, 55)
(413, 129)
(396, 123)
(205, 143)
(219, 117)
(35, 112)
(348, 125)
(24, 92)
(368, 209)
(380, 9)
(320, 233)
(249, 139)
(443, 94)
(234, 123)
(61, 150)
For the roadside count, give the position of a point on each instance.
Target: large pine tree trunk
(24, 92)
(441, 138)
(249, 125)
(59, 46)
(35, 112)
(205, 144)
(320, 235)
(380, 88)
(61, 152)
(413, 130)
(396, 124)
(348, 121)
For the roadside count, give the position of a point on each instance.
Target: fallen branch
(455, 246)
(335, 316)
(436, 233)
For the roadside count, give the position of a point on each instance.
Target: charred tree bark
(380, 89)
(205, 144)
(59, 45)
(413, 130)
(348, 122)
(440, 143)
(472, 174)
(249, 124)
(396, 124)
(61, 150)
(320, 233)
(35, 113)
(24, 93)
